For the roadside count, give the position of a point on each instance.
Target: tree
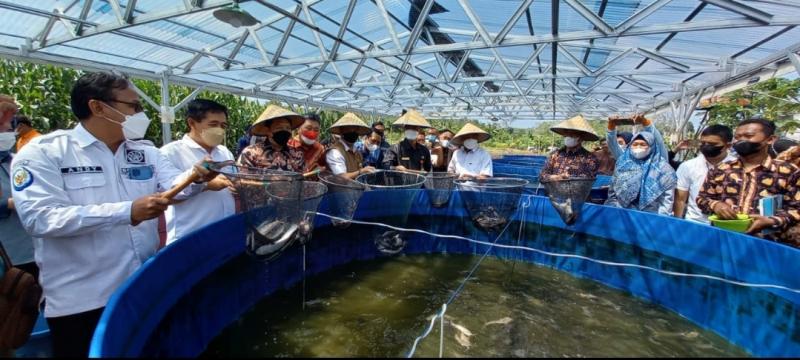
(776, 99)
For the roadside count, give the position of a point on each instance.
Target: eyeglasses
(137, 106)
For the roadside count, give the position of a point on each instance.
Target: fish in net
(404, 187)
(568, 195)
(313, 193)
(272, 201)
(491, 202)
(342, 199)
(439, 186)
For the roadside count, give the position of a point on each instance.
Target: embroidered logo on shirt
(82, 170)
(137, 172)
(22, 178)
(134, 156)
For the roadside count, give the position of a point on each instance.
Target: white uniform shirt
(691, 175)
(335, 159)
(471, 162)
(205, 208)
(74, 197)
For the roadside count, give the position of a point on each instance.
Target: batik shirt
(742, 190)
(578, 163)
(262, 155)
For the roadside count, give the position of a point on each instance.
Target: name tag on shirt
(405, 158)
(82, 170)
(137, 172)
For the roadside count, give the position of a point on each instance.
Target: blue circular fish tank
(191, 291)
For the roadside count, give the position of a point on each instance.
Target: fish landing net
(567, 196)
(272, 201)
(439, 186)
(491, 202)
(342, 199)
(313, 192)
(408, 184)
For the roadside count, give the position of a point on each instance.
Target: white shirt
(335, 159)
(205, 208)
(691, 175)
(74, 197)
(471, 162)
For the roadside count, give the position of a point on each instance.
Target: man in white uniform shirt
(471, 161)
(715, 141)
(207, 121)
(88, 198)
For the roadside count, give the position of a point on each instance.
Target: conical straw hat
(350, 119)
(273, 112)
(469, 129)
(412, 117)
(577, 123)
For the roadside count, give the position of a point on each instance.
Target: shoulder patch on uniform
(21, 179)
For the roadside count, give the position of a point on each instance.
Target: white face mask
(640, 153)
(213, 136)
(372, 147)
(411, 135)
(306, 140)
(445, 143)
(135, 126)
(471, 144)
(7, 140)
(571, 142)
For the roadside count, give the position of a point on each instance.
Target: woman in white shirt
(471, 161)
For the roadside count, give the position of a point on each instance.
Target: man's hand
(204, 174)
(557, 177)
(11, 204)
(367, 170)
(147, 207)
(400, 168)
(684, 145)
(220, 182)
(760, 223)
(790, 154)
(724, 211)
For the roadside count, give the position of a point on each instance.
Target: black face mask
(746, 148)
(281, 137)
(711, 151)
(350, 137)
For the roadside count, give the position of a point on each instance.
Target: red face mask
(310, 134)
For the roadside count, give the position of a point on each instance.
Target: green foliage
(42, 92)
(777, 99)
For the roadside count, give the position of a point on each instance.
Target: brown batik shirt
(742, 190)
(262, 155)
(578, 163)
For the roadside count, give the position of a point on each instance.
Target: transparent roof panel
(607, 55)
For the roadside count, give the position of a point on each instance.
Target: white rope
(441, 332)
(603, 262)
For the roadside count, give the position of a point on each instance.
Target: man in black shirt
(408, 154)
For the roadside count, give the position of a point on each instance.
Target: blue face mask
(431, 138)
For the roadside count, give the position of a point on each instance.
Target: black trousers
(72, 334)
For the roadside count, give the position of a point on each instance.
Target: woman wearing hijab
(643, 178)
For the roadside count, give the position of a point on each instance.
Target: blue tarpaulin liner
(189, 292)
